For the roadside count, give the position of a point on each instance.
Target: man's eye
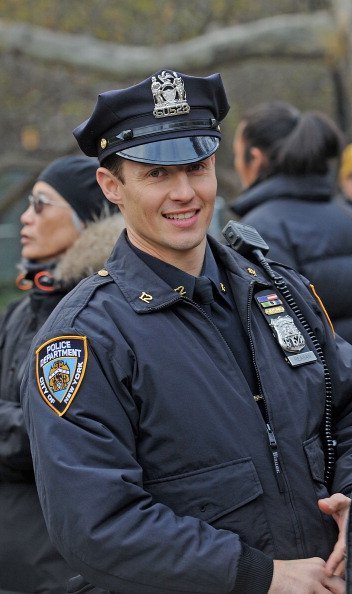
(155, 173)
(195, 167)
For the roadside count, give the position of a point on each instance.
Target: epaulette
(73, 303)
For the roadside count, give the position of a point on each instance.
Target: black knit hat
(74, 178)
(169, 118)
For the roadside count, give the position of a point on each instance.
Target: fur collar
(89, 253)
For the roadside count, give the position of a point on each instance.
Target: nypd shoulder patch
(60, 367)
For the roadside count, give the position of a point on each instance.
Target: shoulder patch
(60, 367)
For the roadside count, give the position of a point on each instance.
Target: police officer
(177, 402)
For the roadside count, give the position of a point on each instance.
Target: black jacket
(306, 228)
(28, 561)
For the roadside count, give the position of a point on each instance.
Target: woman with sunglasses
(67, 233)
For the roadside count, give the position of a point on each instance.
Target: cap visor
(174, 151)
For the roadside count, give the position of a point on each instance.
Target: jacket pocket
(313, 448)
(78, 585)
(209, 493)
(226, 496)
(314, 452)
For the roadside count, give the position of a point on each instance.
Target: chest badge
(60, 368)
(284, 328)
(287, 334)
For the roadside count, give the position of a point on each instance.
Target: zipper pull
(275, 454)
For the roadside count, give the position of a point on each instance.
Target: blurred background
(57, 56)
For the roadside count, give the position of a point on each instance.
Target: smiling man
(167, 209)
(185, 452)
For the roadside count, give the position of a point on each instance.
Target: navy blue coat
(160, 468)
(28, 561)
(306, 228)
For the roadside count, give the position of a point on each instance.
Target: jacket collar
(146, 291)
(177, 279)
(307, 187)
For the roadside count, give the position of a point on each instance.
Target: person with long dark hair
(285, 160)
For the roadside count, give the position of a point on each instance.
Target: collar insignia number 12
(146, 297)
(284, 329)
(60, 367)
(181, 290)
(169, 95)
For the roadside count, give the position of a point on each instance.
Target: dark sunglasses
(38, 202)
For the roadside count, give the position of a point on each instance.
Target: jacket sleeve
(339, 359)
(15, 457)
(337, 354)
(99, 515)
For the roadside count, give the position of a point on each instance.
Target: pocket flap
(315, 455)
(78, 585)
(209, 493)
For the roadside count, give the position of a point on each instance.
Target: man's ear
(109, 184)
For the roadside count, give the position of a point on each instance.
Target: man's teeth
(184, 215)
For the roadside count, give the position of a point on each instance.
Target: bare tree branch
(303, 36)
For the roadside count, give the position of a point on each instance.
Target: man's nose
(182, 188)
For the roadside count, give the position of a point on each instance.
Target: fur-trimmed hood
(89, 253)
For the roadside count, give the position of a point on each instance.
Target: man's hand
(337, 506)
(306, 576)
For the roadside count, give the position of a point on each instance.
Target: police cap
(168, 119)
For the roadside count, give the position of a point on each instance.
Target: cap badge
(169, 95)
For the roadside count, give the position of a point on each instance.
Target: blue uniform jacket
(160, 468)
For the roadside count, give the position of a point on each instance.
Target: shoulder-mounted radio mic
(246, 240)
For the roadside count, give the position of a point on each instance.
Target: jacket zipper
(262, 404)
(205, 315)
(263, 407)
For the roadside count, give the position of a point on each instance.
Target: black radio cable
(245, 240)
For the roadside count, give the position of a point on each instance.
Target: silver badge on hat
(287, 333)
(169, 95)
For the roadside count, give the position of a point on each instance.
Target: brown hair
(114, 163)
